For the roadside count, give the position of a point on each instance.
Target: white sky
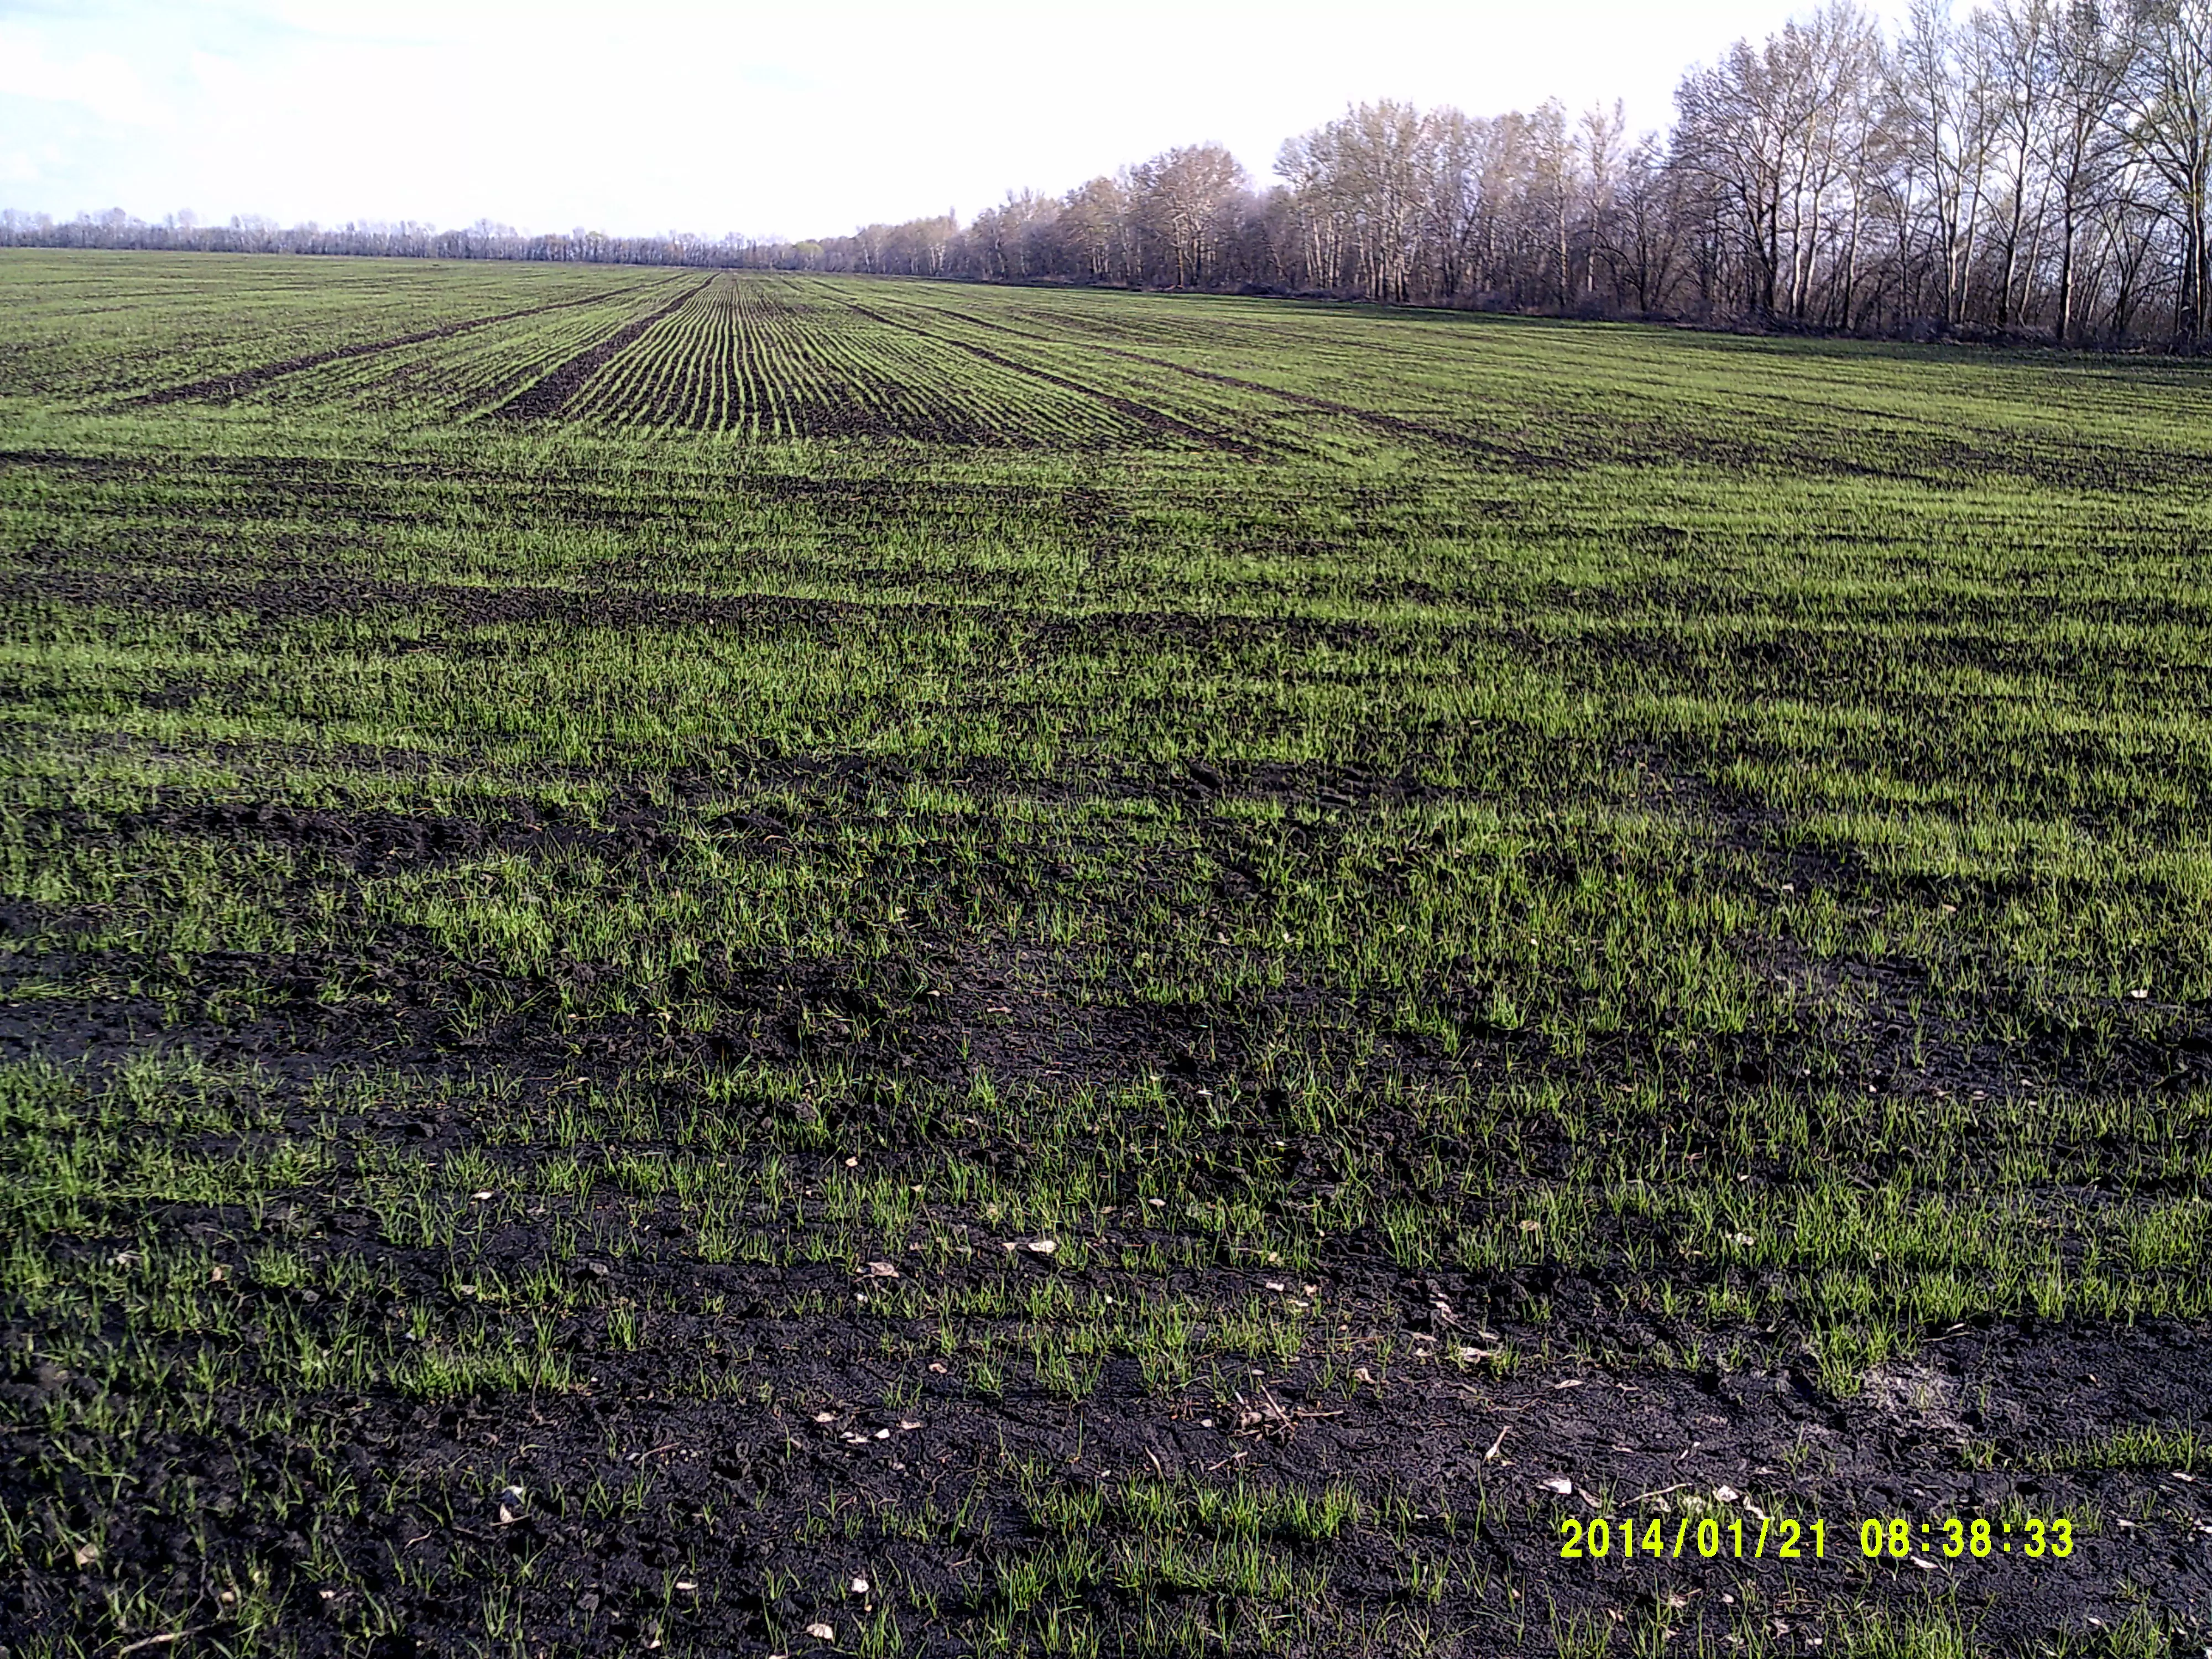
(790, 117)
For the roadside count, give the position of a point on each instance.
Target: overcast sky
(789, 118)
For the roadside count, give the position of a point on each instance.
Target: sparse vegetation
(1127, 967)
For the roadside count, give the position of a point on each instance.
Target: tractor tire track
(1145, 415)
(546, 399)
(1397, 426)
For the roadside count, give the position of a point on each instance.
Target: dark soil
(545, 398)
(1485, 1447)
(1962, 1429)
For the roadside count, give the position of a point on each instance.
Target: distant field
(1162, 975)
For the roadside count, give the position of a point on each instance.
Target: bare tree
(1599, 133)
(1639, 235)
(1184, 194)
(2017, 36)
(1942, 96)
(1451, 198)
(1733, 129)
(2167, 116)
(1093, 220)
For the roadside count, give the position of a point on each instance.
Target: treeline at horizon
(2037, 169)
(403, 239)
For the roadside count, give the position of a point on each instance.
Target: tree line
(2036, 168)
(181, 233)
(2033, 169)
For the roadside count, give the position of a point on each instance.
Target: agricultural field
(729, 964)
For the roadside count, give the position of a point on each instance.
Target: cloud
(102, 82)
(223, 77)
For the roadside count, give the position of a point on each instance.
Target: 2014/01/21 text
(1788, 1540)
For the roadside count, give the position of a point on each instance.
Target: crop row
(470, 371)
(778, 359)
(76, 332)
